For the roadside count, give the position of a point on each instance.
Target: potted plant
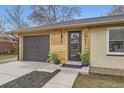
(84, 58)
(53, 58)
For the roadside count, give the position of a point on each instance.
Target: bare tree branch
(15, 18)
(3, 24)
(50, 14)
(116, 10)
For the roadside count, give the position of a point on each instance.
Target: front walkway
(64, 79)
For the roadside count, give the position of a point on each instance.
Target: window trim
(107, 43)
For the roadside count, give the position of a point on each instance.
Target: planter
(85, 64)
(48, 60)
(56, 61)
(82, 64)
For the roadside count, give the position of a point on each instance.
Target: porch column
(20, 48)
(86, 40)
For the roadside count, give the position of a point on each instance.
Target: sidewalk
(64, 79)
(8, 60)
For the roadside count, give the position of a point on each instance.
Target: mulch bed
(35, 79)
(98, 81)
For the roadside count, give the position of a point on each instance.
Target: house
(7, 45)
(102, 36)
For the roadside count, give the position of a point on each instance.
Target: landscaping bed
(35, 79)
(99, 81)
(4, 57)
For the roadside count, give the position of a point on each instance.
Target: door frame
(68, 41)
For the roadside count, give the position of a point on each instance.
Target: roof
(80, 22)
(6, 36)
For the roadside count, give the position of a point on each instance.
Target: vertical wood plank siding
(98, 48)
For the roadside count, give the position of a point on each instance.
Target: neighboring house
(7, 44)
(102, 36)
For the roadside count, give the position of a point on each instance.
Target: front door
(74, 45)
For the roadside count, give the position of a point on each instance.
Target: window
(116, 41)
(75, 41)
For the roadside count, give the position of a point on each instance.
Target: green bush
(84, 56)
(52, 56)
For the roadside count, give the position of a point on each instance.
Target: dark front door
(74, 45)
(36, 48)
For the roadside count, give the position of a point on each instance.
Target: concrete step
(79, 63)
(73, 64)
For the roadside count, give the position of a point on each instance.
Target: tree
(116, 10)
(3, 23)
(15, 18)
(3, 29)
(50, 14)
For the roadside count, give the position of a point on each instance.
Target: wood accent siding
(58, 44)
(86, 40)
(20, 48)
(85, 34)
(58, 41)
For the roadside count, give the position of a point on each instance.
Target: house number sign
(86, 37)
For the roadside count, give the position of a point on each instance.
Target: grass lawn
(3, 57)
(98, 81)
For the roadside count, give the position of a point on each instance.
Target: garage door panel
(36, 48)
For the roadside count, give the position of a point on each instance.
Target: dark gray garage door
(36, 48)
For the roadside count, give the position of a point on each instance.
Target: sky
(87, 11)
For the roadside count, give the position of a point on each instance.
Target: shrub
(84, 56)
(52, 56)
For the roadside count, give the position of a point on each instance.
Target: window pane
(116, 46)
(116, 40)
(116, 34)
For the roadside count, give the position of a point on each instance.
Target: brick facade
(7, 48)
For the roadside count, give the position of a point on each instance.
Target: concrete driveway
(11, 71)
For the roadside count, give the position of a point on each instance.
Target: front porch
(49, 66)
(82, 70)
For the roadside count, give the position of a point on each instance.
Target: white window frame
(107, 43)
